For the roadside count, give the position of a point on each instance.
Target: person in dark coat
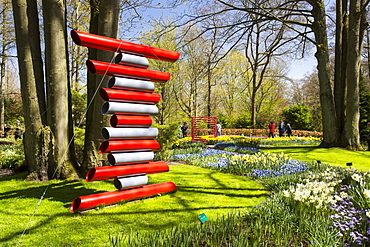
(184, 129)
(281, 129)
(289, 130)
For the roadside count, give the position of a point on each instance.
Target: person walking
(289, 130)
(17, 134)
(281, 129)
(271, 130)
(184, 129)
(218, 127)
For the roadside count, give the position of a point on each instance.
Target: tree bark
(37, 167)
(34, 31)
(104, 21)
(329, 118)
(355, 38)
(3, 62)
(60, 165)
(340, 72)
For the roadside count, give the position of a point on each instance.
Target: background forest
(235, 59)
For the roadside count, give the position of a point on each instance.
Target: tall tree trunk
(57, 87)
(355, 38)
(104, 21)
(209, 88)
(36, 144)
(329, 118)
(3, 62)
(37, 60)
(253, 105)
(2, 78)
(90, 155)
(340, 73)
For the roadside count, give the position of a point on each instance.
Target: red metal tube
(108, 94)
(130, 121)
(109, 44)
(121, 145)
(109, 69)
(106, 198)
(109, 172)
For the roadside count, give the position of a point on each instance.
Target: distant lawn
(332, 156)
(199, 191)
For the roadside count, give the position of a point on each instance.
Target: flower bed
(251, 142)
(324, 205)
(258, 132)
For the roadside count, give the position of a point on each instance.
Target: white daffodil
(356, 177)
(367, 193)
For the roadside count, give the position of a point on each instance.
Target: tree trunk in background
(104, 21)
(91, 155)
(340, 73)
(329, 118)
(34, 31)
(355, 42)
(3, 62)
(57, 88)
(34, 142)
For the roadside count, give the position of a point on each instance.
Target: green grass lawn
(333, 156)
(199, 191)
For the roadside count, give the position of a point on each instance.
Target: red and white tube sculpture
(109, 44)
(87, 202)
(130, 141)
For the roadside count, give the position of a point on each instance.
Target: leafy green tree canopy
(298, 116)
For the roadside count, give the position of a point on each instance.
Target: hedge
(257, 132)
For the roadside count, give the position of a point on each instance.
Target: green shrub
(12, 157)
(167, 135)
(79, 141)
(298, 116)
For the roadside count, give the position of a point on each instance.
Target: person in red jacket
(272, 129)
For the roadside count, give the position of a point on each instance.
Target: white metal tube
(132, 157)
(121, 108)
(132, 60)
(141, 85)
(111, 133)
(127, 182)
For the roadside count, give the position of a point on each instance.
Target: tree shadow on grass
(65, 192)
(16, 176)
(20, 234)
